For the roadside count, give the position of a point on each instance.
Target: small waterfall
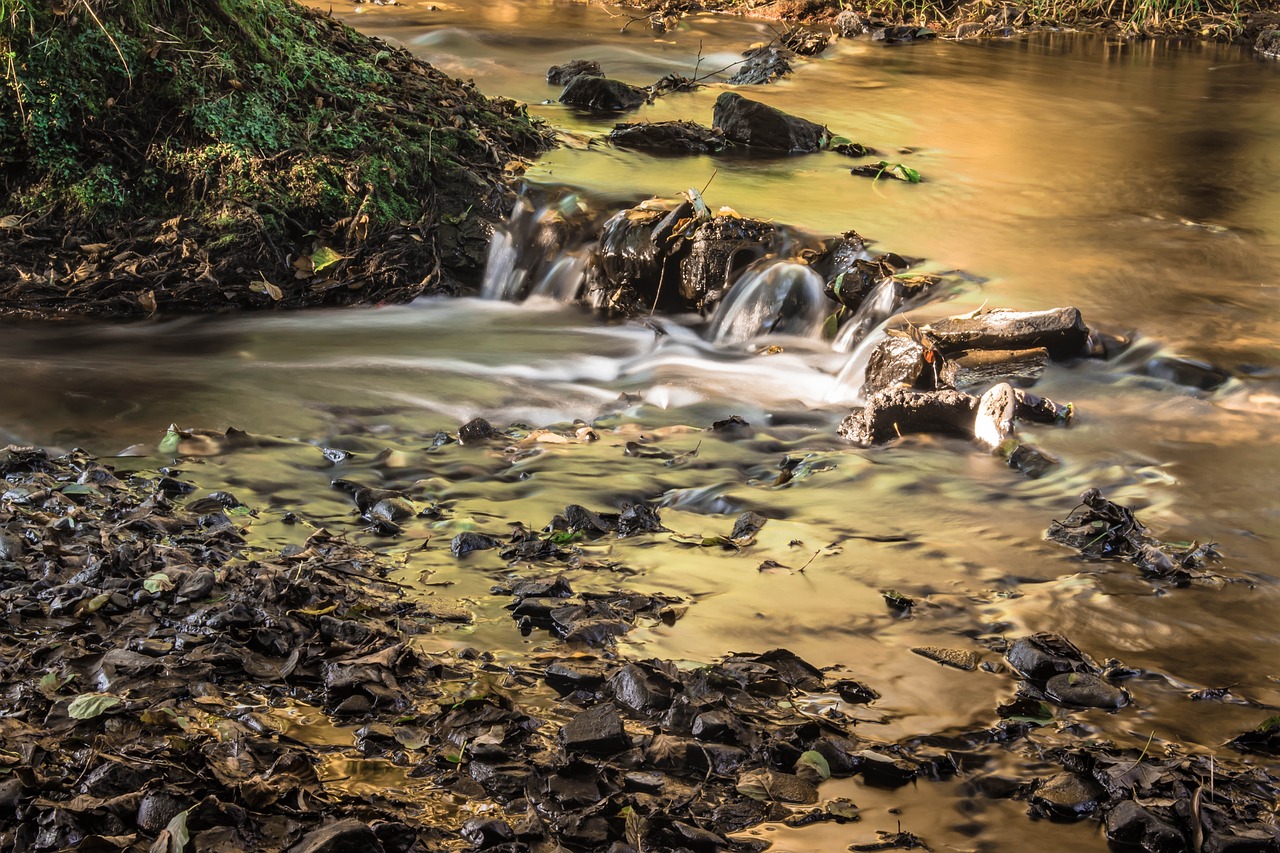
(563, 281)
(532, 253)
(880, 304)
(504, 277)
(783, 297)
(860, 337)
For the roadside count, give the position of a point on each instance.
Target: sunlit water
(1132, 180)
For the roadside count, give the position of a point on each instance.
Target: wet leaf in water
(172, 438)
(812, 767)
(86, 706)
(158, 583)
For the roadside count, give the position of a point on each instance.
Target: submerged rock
(1086, 690)
(758, 125)
(1066, 795)
(1041, 656)
(678, 136)
(601, 94)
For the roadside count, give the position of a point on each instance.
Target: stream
(1133, 180)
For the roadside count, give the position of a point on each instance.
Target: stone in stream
(1268, 43)
(993, 420)
(758, 125)
(898, 411)
(685, 137)
(958, 658)
(1041, 656)
(1188, 372)
(1066, 795)
(1059, 330)
(898, 361)
(1086, 690)
(558, 75)
(763, 65)
(597, 730)
(1130, 823)
(601, 94)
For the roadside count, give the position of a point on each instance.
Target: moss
(152, 107)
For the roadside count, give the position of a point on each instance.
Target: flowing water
(1133, 180)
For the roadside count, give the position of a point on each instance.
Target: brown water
(1134, 180)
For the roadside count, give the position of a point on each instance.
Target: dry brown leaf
(148, 301)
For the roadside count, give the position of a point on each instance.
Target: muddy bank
(252, 157)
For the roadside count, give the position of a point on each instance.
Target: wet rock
(639, 518)
(979, 367)
(678, 136)
(717, 251)
(993, 420)
(1030, 460)
(849, 23)
(597, 729)
(1061, 331)
(897, 411)
(763, 65)
(483, 833)
(1040, 657)
(601, 94)
(558, 75)
(1085, 690)
(1268, 43)
(465, 543)
(644, 692)
(1042, 409)
(637, 249)
(1188, 372)
(1130, 823)
(758, 125)
(341, 836)
(897, 361)
(476, 431)
(958, 658)
(747, 525)
(1066, 795)
(901, 34)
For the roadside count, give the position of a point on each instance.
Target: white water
(778, 297)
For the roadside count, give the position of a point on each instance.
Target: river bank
(235, 155)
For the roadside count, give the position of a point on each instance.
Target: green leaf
(324, 257)
(96, 603)
(158, 583)
(813, 763)
(172, 438)
(86, 706)
(830, 326)
(564, 537)
(179, 836)
(78, 489)
(907, 173)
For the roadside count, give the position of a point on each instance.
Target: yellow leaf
(324, 257)
(148, 301)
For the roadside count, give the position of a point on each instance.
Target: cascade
(776, 297)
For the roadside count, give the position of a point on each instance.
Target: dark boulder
(1041, 656)
(678, 136)
(558, 75)
(758, 125)
(719, 249)
(1130, 823)
(601, 94)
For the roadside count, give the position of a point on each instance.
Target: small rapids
(777, 297)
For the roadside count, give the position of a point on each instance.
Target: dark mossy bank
(221, 154)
